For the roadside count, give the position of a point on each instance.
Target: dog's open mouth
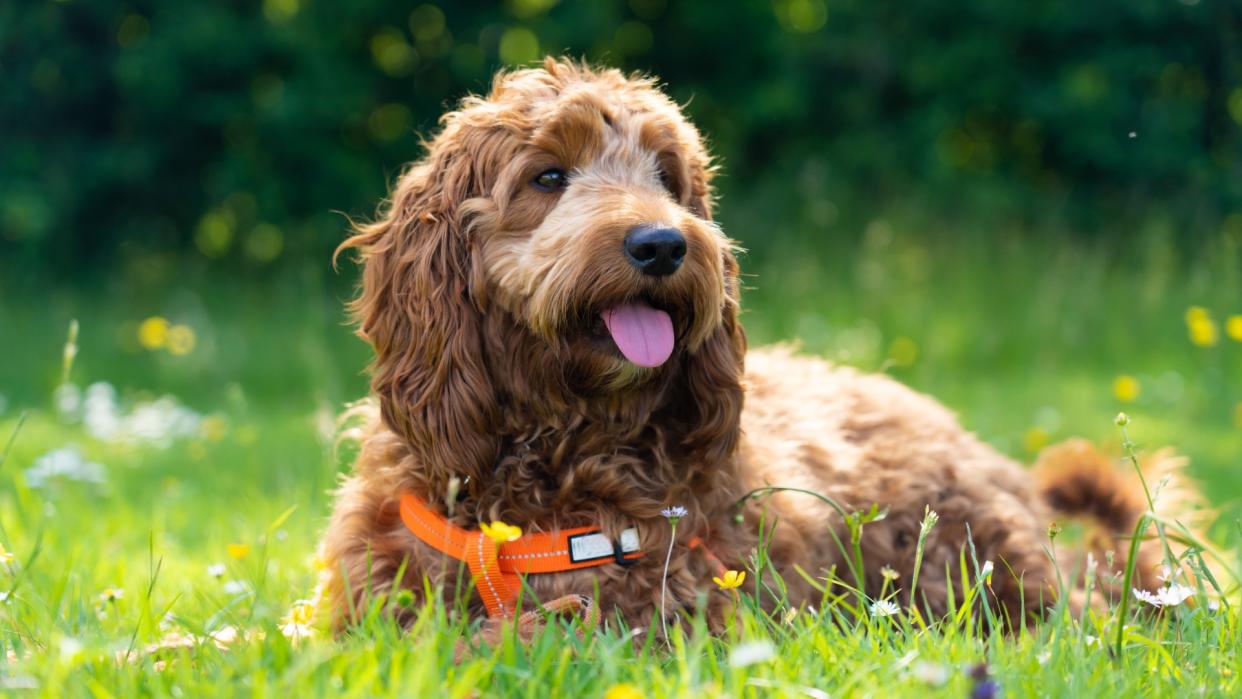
(644, 334)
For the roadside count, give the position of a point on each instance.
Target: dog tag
(593, 546)
(629, 540)
(588, 547)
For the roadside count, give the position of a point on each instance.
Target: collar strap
(495, 568)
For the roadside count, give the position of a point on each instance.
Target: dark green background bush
(245, 132)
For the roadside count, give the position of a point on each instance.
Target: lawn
(179, 485)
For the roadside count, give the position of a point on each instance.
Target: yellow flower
(112, 594)
(1126, 388)
(181, 339)
(296, 624)
(732, 579)
(500, 532)
(213, 428)
(5, 556)
(1233, 327)
(238, 551)
(903, 351)
(153, 333)
(301, 612)
(623, 691)
(1201, 327)
(1035, 439)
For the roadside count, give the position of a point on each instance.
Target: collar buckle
(618, 553)
(626, 543)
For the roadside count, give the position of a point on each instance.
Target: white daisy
(1170, 596)
(674, 512)
(884, 607)
(294, 631)
(930, 673)
(65, 463)
(750, 653)
(70, 648)
(297, 623)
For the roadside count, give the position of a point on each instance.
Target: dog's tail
(1077, 480)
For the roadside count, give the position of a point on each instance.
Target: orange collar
(495, 567)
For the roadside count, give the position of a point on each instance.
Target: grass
(1024, 337)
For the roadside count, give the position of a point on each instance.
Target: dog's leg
(368, 556)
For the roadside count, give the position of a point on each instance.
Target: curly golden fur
(492, 380)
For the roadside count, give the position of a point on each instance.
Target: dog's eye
(670, 183)
(551, 180)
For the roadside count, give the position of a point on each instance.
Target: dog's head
(555, 251)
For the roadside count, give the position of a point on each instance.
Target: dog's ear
(701, 197)
(417, 310)
(714, 374)
(714, 382)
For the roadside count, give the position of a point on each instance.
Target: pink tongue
(642, 333)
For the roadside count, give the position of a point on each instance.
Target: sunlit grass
(214, 528)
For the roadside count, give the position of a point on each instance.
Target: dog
(554, 318)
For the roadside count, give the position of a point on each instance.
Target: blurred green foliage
(241, 132)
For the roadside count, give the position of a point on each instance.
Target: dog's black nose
(655, 250)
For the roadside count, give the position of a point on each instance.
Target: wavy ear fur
(417, 310)
(715, 376)
(709, 408)
(714, 379)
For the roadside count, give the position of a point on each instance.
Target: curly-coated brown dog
(554, 315)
